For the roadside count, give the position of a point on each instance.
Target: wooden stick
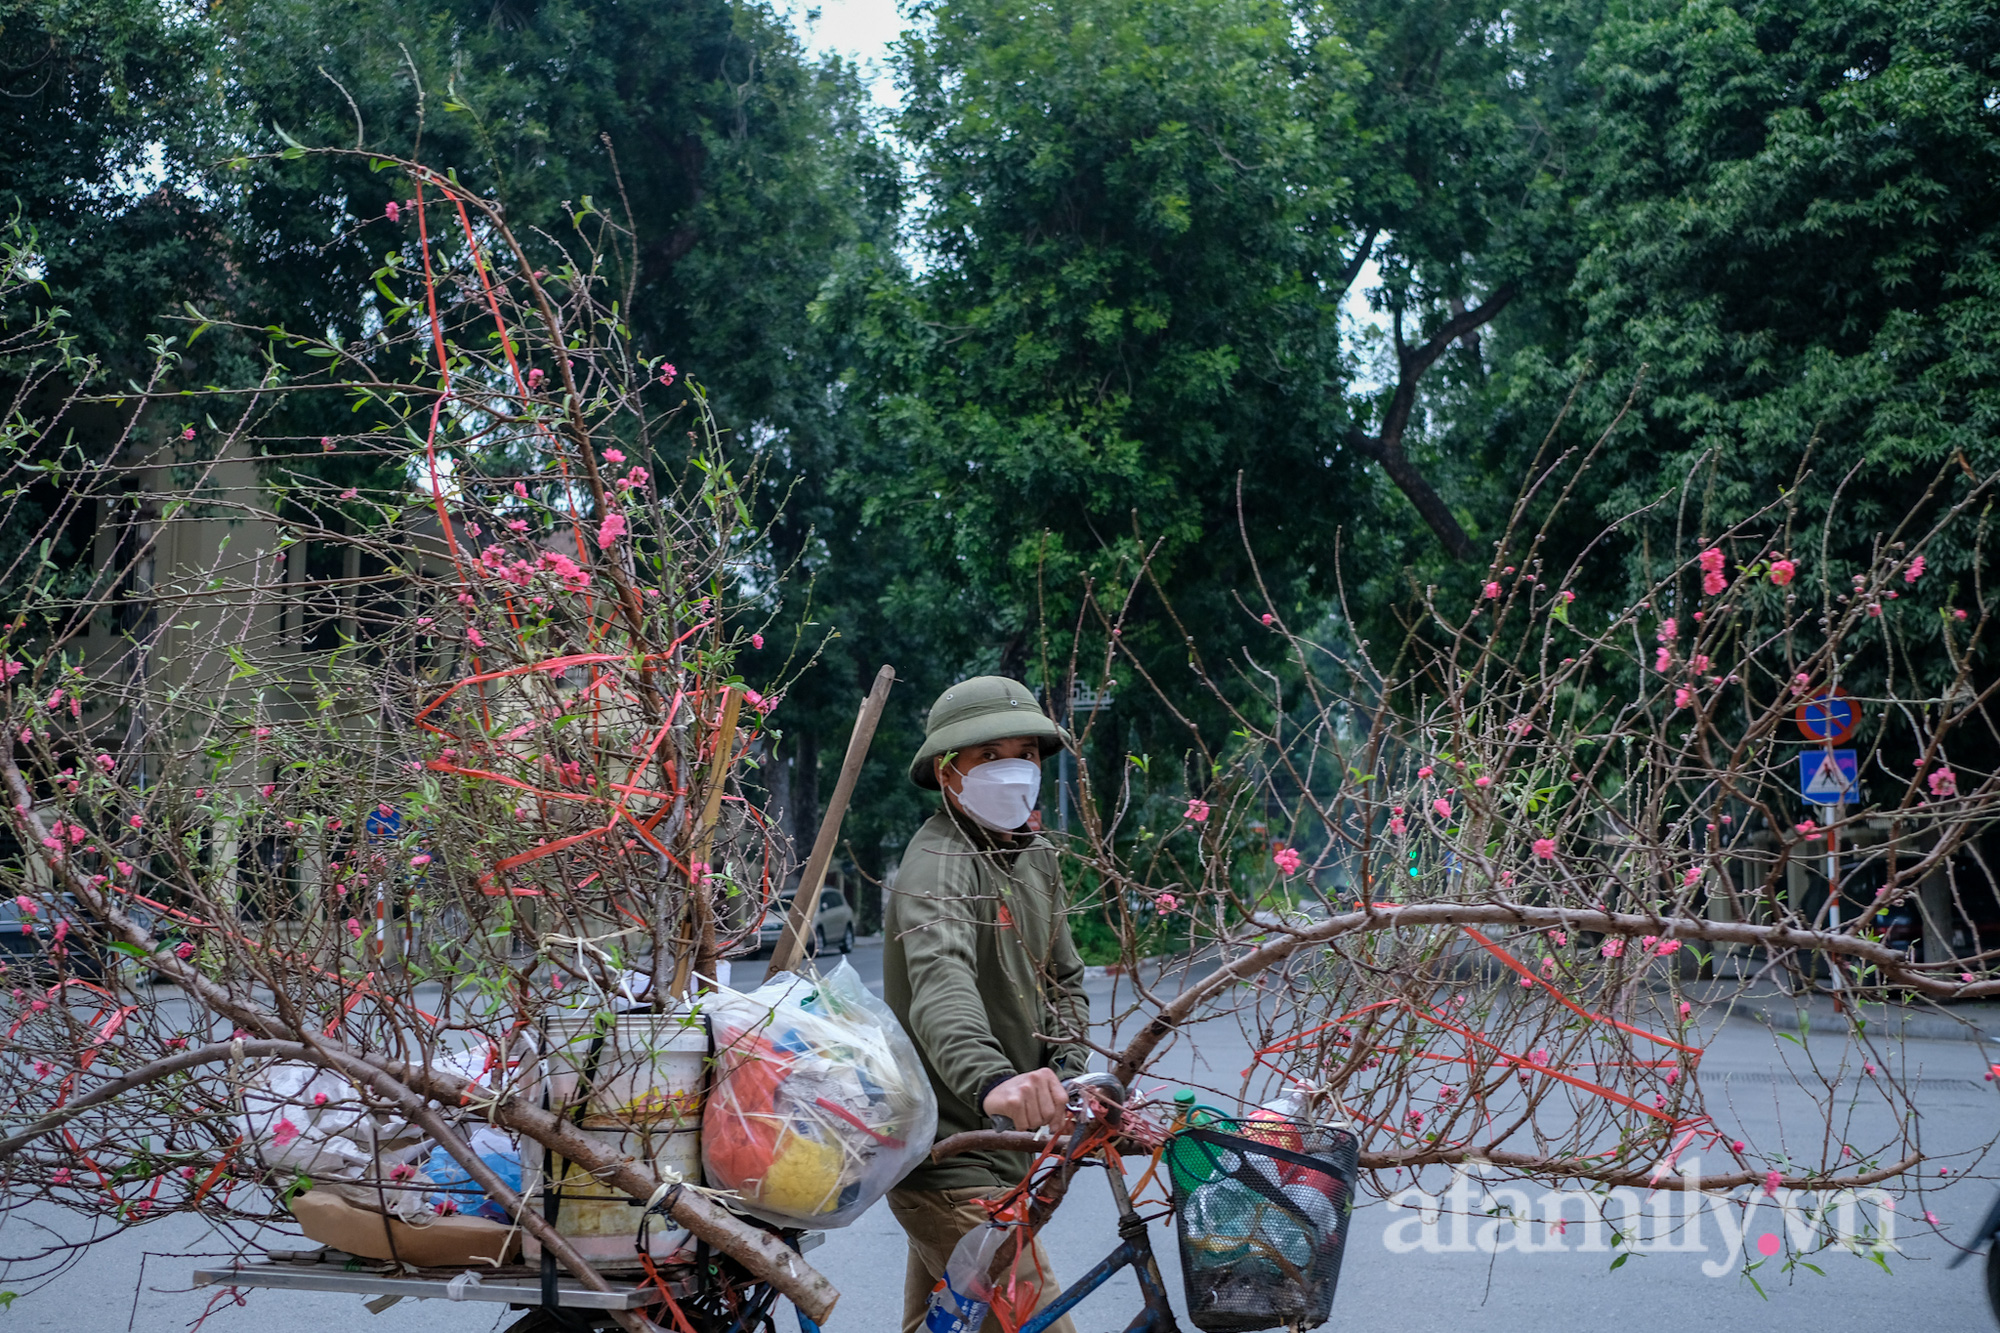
(805, 903)
(699, 956)
(704, 898)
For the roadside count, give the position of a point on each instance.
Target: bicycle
(1096, 1109)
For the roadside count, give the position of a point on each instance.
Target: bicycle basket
(1262, 1227)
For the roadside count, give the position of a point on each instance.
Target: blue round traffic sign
(1828, 718)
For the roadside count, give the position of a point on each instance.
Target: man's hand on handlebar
(1030, 1100)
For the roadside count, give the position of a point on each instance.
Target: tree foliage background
(1183, 280)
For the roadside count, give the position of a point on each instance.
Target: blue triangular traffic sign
(1829, 777)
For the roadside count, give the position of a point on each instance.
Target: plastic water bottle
(960, 1299)
(1277, 1122)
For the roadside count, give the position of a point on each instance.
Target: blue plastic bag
(457, 1192)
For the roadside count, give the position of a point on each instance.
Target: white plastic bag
(820, 1102)
(309, 1120)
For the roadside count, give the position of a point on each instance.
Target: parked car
(25, 940)
(836, 923)
(21, 937)
(1902, 928)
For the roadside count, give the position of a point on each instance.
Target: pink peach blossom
(1712, 581)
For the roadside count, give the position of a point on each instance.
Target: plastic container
(1277, 1122)
(1190, 1169)
(961, 1298)
(634, 1082)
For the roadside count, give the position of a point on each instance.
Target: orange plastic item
(742, 1146)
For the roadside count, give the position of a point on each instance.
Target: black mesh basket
(1262, 1217)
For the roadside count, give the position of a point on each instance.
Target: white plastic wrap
(310, 1120)
(820, 1104)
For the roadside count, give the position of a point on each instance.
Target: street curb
(1777, 1012)
(1899, 1026)
(1104, 971)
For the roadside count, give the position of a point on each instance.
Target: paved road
(1397, 1277)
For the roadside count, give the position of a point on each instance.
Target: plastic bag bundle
(820, 1103)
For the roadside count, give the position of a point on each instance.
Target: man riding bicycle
(980, 968)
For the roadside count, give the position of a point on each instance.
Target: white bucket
(645, 1073)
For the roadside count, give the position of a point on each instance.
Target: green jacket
(978, 959)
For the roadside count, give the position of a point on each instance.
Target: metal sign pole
(1082, 699)
(1831, 814)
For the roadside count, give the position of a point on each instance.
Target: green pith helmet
(973, 712)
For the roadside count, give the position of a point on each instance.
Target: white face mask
(1001, 794)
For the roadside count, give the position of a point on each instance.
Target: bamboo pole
(805, 904)
(699, 956)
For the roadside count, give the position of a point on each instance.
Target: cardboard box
(444, 1242)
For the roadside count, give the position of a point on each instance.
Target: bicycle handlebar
(1110, 1095)
(1105, 1090)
